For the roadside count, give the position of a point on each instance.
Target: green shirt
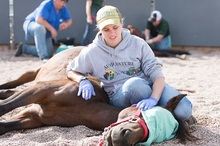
(162, 28)
(97, 4)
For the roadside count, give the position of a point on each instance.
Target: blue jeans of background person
(43, 46)
(90, 31)
(135, 89)
(89, 34)
(164, 44)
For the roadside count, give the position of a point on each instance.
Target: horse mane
(183, 132)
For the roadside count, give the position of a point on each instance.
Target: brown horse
(54, 99)
(131, 128)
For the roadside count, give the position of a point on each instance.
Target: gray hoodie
(114, 66)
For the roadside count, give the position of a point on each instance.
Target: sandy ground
(199, 72)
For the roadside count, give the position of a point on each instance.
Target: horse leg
(27, 119)
(179, 52)
(6, 94)
(25, 78)
(35, 94)
(36, 115)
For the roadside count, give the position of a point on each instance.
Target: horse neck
(108, 113)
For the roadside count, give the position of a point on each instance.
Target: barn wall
(192, 22)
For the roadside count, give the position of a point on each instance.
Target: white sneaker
(183, 56)
(45, 60)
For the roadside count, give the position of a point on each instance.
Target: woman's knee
(184, 109)
(136, 85)
(136, 89)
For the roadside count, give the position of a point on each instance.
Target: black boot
(19, 50)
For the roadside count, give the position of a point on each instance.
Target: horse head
(129, 129)
(132, 126)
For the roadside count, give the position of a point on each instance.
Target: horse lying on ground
(145, 127)
(160, 53)
(54, 98)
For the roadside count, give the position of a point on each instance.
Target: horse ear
(173, 102)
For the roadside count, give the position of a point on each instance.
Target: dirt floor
(199, 72)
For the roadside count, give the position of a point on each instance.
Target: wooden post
(11, 23)
(152, 5)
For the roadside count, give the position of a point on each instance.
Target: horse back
(55, 68)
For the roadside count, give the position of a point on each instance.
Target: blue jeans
(43, 46)
(89, 34)
(90, 31)
(164, 44)
(135, 89)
